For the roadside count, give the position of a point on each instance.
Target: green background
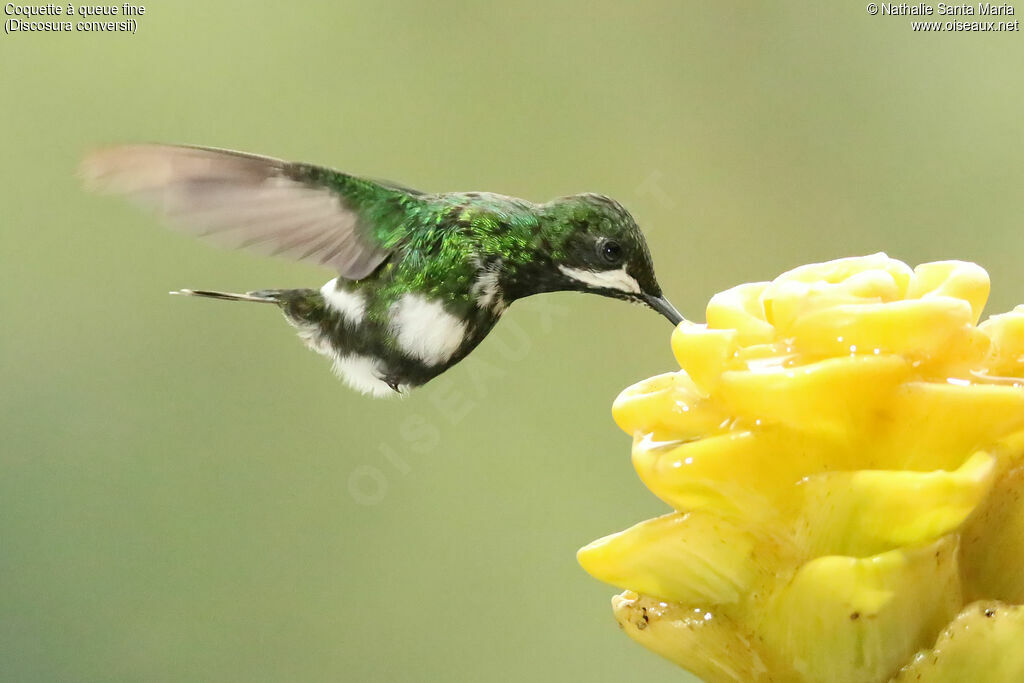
(177, 476)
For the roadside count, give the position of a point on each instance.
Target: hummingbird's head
(599, 248)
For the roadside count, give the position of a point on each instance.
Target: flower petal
(870, 511)
(1006, 356)
(703, 352)
(958, 279)
(710, 645)
(929, 425)
(834, 396)
(917, 329)
(688, 558)
(993, 543)
(844, 619)
(670, 407)
(983, 644)
(741, 475)
(740, 309)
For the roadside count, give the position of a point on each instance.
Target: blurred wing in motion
(238, 200)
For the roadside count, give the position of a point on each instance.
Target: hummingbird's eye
(611, 251)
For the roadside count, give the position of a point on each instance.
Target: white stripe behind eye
(604, 279)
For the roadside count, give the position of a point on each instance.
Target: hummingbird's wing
(298, 210)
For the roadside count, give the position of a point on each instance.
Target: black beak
(661, 305)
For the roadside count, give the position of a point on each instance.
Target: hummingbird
(421, 278)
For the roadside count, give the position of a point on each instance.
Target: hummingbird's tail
(263, 296)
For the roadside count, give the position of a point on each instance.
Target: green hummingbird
(422, 278)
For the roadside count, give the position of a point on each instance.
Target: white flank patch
(604, 279)
(485, 291)
(351, 305)
(425, 330)
(362, 373)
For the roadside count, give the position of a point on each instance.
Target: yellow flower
(842, 449)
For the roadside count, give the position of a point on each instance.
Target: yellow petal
(703, 352)
(928, 425)
(850, 272)
(843, 619)
(786, 301)
(833, 396)
(870, 511)
(982, 645)
(993, 543)
(958, 279)
(669, 406)
(741, 475)
(821, 286)
(689, 558)
(709, 644)
(918, 329)
(740, 309)
(1006, 355)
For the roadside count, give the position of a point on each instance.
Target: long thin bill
(662, 305)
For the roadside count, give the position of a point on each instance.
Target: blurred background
(188, 494)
